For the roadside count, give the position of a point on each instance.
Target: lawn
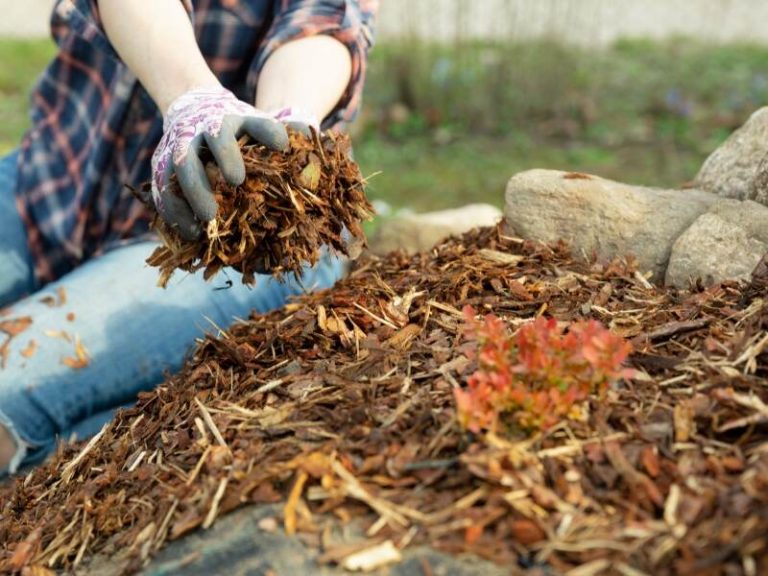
(444, 126)
(423, 176)
(20, 63)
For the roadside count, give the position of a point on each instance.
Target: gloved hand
(216, 118)
(298, 119)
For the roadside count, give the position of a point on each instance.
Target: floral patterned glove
(297, 119)
(214, 117)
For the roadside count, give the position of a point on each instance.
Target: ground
(343, 406)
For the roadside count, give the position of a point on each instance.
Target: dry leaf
(310, 175)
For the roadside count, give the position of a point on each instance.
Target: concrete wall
(24, 18)
(591, 22)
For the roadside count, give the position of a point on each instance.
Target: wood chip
(292, 206)
(372, 558)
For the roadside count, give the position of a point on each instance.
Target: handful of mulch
(290, 206)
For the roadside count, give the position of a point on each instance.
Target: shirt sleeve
(349, 21)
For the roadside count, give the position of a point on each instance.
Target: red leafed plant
(540, 375)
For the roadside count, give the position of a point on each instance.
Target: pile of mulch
(341, 407)
(292, 205)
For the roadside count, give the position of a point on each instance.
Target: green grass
(448, 125)
(423, 176)
(639, 111)
(20, 63)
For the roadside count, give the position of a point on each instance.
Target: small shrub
(540, 375)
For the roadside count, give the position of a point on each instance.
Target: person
(135, 90)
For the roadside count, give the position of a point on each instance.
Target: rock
(727, 242)
(601, 216)
(238, 545)
(759, 191)
(737, 169)
(417, 232)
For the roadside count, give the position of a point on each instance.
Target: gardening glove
(298, 119)
(216, 118)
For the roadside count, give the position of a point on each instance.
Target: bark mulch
(341, 406)
(291, 206)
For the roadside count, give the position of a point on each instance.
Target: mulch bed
(341, 406)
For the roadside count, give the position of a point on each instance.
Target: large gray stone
(236, 545)
(738, 168)
(239, 545)
(601, 216)
(725, 243)
(417, 232)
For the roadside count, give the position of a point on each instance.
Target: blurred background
(464, 93)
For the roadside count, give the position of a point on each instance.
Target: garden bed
(342, 406)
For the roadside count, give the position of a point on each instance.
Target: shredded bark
(342, 404)
(291, 205)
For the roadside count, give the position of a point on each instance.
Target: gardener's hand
(298, 119)
(216, 118)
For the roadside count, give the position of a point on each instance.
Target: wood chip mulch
(341, 406)
(291, 206)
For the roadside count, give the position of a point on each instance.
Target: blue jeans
(133, 331)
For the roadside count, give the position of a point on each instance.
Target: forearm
(164, 56)
(311, 74)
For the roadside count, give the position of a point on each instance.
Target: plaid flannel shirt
(94, 127)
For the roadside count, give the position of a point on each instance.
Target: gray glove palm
(213, 117)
